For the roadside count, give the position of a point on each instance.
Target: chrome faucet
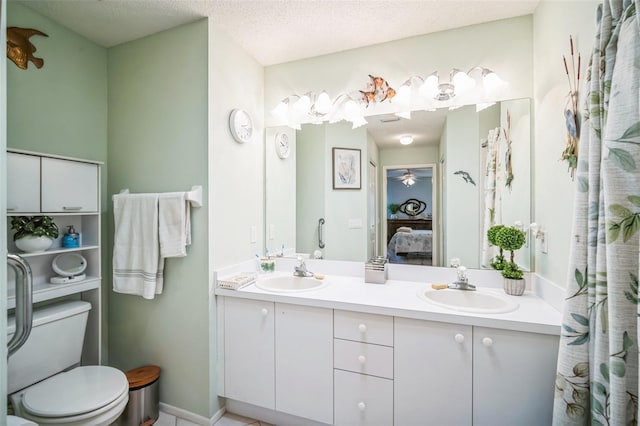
(462, 281)
(300, 270)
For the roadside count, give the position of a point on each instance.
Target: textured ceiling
(277, 31)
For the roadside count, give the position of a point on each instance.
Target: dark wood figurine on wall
(19, 49)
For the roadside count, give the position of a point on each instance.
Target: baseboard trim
(191, 417)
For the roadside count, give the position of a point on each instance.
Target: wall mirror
(477, 162)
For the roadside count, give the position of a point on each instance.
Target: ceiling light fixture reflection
(408, 178)
(406, 140)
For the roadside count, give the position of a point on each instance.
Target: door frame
(434, 203)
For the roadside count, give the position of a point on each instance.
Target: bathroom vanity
(350, 353)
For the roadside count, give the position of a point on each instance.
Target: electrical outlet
(272, 231)
(254, 234)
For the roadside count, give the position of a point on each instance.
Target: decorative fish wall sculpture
(20, 50)
(377, 90)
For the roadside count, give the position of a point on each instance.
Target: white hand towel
(174, 219)
(137, 265)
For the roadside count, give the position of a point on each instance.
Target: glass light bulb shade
(358, 122)
(323, 103)
(406, 140)
(429, 89)
(403, 96)
(403, 114)
(281, 110)
(492, 81)
(462, 81)
(303, 105)
(351, 110)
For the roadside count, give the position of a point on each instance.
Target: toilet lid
(77, 391)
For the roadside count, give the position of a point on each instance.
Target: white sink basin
(290, 284)
(479, 301)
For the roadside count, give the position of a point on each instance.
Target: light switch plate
(355, 223)
(254, 234)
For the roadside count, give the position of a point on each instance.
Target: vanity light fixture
(415, 93)
(406, 140)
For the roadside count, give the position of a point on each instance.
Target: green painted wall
(60, 108)
(158, 142)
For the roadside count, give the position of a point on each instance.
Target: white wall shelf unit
(68, 190)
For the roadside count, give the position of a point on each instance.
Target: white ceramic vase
(514, 287)
(31, 244)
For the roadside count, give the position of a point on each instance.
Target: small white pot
(514, 287)
(31, 244)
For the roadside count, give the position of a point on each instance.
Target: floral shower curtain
(492, 192)
(597, 377)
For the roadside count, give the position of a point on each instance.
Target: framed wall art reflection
(347, 172)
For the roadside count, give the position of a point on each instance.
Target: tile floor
(227, 420)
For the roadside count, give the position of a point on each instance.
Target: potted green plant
(394, 209)
(34, 233)
(498, 261)
(511, 239)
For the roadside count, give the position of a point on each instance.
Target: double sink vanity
(337, 350)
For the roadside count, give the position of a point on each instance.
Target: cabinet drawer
(361, 327)
(69, 186)
(361, 400)
(363, 358)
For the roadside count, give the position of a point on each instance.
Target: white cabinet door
(304, 361)
(23, 183)
(249, 351)
(432, 373)
(513, 377)
(363, 400)
(69, 186)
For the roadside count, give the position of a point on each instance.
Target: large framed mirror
(471, 168)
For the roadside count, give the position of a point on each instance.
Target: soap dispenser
(71, 239)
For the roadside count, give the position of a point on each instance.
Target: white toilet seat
(92, 395)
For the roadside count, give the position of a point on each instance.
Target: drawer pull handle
(362, 328)
(11, 209)
(487, 341)
(459, 338)
(362, 359)
(264, 312)
(72, 208)
(362, 406)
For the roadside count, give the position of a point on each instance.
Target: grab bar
(24, 300)
(320, 223)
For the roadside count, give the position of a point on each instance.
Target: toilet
(47, 386)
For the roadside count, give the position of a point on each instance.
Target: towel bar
(194, 196)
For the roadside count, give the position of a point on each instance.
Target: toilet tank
(55, 344)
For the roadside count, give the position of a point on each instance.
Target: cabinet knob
(487, 341)
(362, 328)
(264, 312)
(362, 359)
(362, 406)
(459, 338)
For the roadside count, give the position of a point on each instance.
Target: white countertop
(400, 298)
